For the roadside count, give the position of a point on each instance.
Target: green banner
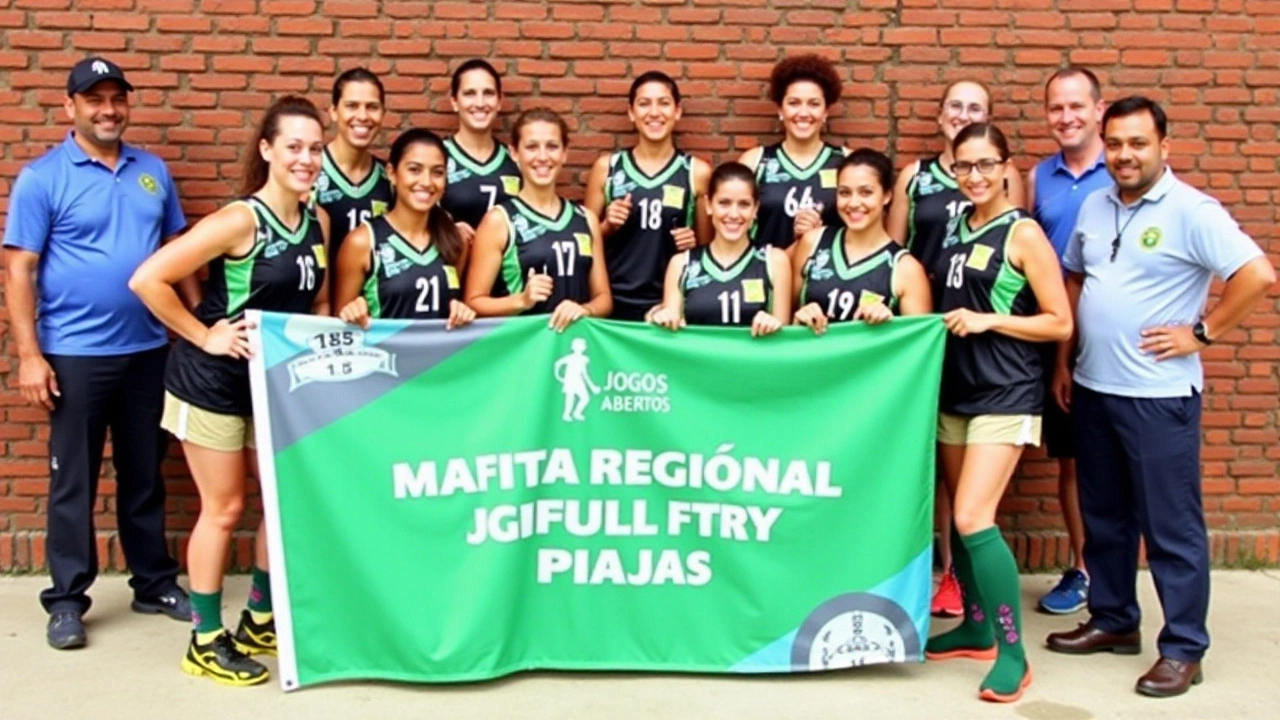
(450, 506)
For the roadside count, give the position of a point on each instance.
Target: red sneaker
(947, 602)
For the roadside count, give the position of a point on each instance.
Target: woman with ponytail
(265, 251)
(405, 264)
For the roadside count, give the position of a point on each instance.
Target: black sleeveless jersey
(282, 273)
(785, 189)
(718, 295)
(404, 283)
(559, 247)
(934, 199)
(474, 187)
(988, 373)
(637, 254)
(839, 287)
(347, 203)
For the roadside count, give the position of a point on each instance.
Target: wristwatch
(1201, 333)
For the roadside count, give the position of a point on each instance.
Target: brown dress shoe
(1087, 639)
(1169, 677)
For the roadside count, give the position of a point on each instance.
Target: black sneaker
(66, 630)
(222, 663)
(254, 639)
(172, 602)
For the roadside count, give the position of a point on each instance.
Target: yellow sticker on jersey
(979, 257)
(584, 243)
(510, 184)
(378, 207)
(451, 275)
(672, 196)
(322, 259)
(753, 290)
(828, 178)
(868, 298)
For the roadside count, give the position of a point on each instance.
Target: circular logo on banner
(853, 630)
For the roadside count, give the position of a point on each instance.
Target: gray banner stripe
(303, 410)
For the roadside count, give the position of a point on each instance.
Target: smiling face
(1136, 154)
(981, 171)
(358, 114)
(733, 209)
(803, 110)
(966, 103)
(541, 152)
(1072, 112)
(654, 112)
(100, 114)
(477, 100)
(294, 155)
(860, 198)
(419, 179)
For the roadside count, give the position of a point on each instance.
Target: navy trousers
(124, 393)
(1138, 461)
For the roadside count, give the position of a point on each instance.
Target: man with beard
(82, 217)
(1140, 261)
(1056, 188)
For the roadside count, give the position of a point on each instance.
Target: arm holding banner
(670, 314)
(767, 323)
(351, 267)
(810, 315)
(911, 286)
(320, 306)
(601, 302)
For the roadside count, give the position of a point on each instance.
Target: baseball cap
(91, 71)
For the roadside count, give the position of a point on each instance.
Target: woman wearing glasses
(1001, 294)
(927, 198)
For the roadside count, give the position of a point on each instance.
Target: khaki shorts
(188, 423)
(988, 429)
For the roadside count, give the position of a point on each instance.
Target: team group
(801, 231)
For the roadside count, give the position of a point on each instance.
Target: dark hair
(813, 68)
(982, 131)
(474, 64)
(653, 76)
(357, 75)
(256, 170)
(539, 115)
(986, 90)
(444, 233)
(1133, 105)
(1095, 87)
(874, 159)
(732, 171)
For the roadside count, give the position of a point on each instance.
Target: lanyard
(1115, 244)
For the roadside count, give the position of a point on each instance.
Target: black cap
(91, 71)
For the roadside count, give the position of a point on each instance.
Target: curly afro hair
(813, 68)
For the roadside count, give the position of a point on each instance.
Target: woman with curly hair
(797, 177)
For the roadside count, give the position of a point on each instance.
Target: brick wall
(204, 68)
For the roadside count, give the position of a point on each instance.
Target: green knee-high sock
(974, 632)
(206, 614)
(260, 595)
(997, 576)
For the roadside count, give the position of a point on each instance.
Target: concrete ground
(130, 671)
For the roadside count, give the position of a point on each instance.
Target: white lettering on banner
(651, 567)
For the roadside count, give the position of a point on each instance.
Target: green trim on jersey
(293, 237)
(722, 275)
(966, 236)
(844, 271)
(512, 273)
(637, 175)
(461, 157)
(1009, 281)
(237, 273)
(794, 170)
(370, 291)
(411, 253)
(553, 225)
(939, 174)
(331, 170)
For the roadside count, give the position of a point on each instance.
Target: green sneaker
(254, 639)
(221, 662)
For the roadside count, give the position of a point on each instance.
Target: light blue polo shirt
(1174, 240)
(92, 227)
(1060, 193)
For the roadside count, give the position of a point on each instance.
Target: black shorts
(1056, 433)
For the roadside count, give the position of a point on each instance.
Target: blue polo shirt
(1059, 194)
(92, 227)
(1172, 242)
